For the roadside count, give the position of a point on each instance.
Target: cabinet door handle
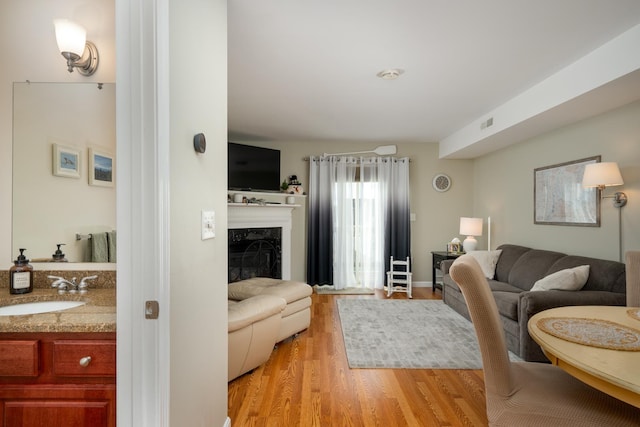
(84, 362)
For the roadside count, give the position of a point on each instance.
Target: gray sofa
(517, 269)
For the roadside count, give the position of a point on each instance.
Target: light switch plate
(208, 225)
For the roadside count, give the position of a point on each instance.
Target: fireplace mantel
(242, 215)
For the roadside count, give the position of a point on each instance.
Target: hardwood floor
(308, 382)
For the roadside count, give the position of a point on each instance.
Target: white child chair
(399, 274)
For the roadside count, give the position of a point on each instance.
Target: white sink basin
(38, 307)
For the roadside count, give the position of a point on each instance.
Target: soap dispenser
(21, 275)
(58, 256)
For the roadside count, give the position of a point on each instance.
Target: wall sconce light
(74, 46)
(605, 174)
(602, 175)
(470, 227)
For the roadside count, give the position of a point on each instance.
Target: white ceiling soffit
(306, 71)
(607, 78)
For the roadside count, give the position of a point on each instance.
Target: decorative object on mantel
(294, 187)
(284, 186)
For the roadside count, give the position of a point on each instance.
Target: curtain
(372, 219)
(320, 224)
(358, 218)
(398, 211)
(345, 198)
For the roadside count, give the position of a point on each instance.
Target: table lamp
(470, 227)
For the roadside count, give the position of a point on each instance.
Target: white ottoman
(296, 316)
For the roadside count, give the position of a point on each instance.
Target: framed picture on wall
(101, 168)
(560, 199)
(66, 161)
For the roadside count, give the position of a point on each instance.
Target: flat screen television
(253, 168)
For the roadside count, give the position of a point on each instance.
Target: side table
(437, 258)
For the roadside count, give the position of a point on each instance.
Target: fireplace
(258, 224)
(255, 252)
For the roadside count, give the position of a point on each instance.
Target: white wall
(28, 44)
(503, 186)
(437, 214)
(198, 91)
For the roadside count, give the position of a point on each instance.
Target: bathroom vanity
(59, 368)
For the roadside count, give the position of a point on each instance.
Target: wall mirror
(64, 189)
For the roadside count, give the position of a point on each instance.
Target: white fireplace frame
(241, 215)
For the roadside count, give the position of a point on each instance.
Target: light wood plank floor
(308, 382)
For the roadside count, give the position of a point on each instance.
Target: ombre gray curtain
(398, 218)
(320, 224)
(392, 205)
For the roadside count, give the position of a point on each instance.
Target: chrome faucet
(65, 286)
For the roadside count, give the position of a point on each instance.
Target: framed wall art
(66, 161)
(560, 199)
(101, 168)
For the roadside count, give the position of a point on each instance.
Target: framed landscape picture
(560, 199)
(66, 161)
(101, 168)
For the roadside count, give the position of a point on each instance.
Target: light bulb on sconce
(74, 46)
(470, 227)
(602, 175)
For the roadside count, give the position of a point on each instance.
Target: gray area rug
(419, 334)
(330, 290)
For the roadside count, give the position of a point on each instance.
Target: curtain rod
(306, 159)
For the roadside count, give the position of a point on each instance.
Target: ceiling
(304, 70)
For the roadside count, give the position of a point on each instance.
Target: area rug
(418, 334)
(330, 290)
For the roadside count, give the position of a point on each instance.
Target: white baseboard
(227, 423)
(421, 284)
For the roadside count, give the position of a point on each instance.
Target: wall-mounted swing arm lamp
(74, 46)
(602, 175)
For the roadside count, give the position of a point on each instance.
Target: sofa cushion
(604, 275)
(531, 267)
(496, 286)
(287, 289)
(569, 279)
(487, 261)
(251, 310)
(507, 303)
(510, 254)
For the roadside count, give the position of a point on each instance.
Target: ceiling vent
(487, 123)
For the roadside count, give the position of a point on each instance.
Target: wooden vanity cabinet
(57, 379)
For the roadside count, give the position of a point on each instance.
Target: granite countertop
(97, 315)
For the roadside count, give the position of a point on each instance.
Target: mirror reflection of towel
(111, 243)
(99, 247)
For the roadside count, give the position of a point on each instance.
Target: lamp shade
(70, 36)
(471, 226)
(601, 175)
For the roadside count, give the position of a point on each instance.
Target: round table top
(618, 367)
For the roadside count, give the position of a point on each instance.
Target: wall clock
(441, 182)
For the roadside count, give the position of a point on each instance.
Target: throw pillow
(488, 261)
(570, 279)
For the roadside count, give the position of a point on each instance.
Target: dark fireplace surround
(255, 252)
